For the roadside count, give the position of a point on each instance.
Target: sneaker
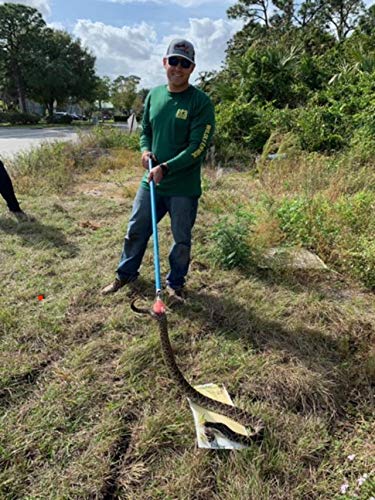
(177, 295)
(114, 286)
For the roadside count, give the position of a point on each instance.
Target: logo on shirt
(182, 113)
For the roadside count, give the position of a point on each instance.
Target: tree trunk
(20, 91)
(50, 108)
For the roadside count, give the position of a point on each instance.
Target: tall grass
(323, 203)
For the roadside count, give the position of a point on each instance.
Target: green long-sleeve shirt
(177, 127)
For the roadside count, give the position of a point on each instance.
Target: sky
(130, 37)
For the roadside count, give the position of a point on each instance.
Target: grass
(87, 409)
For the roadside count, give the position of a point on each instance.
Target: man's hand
(156, 175)
(145, 156)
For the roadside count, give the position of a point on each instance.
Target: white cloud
(209, 38)
(182, 3)
(42, 5)
(136, 50)
(122, 51)
(57, 26)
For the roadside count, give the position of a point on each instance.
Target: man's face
(178, 76)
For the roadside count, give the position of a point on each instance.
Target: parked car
(60, 117)
(76, 116)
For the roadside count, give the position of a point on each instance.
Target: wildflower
(351, 457)
(344, 487)
(362, 479)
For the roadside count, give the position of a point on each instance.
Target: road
(13, 140)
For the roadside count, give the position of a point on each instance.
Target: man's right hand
(145, 156)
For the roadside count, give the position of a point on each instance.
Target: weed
(231, 235)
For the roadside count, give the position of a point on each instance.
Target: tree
(124, 91)
(251, 11)
(65, 70)
(21, 32)
(366, 23)
(102, 89)
(343, 15)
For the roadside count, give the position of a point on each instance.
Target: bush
(231, 235)
(242, 129)
(15, 118)
(361, 260)
(322, 129)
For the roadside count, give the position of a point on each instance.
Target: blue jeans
(182, 211)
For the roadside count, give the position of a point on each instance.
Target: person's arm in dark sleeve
(146, 135)
(201, 131)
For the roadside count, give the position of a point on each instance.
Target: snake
(254, 426)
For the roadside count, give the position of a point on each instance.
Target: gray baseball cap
(181, 48)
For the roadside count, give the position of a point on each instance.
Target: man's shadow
(34, 233)
(307, 351)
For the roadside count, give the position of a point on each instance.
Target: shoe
(21, 216)
(114, 286)
(177, 295)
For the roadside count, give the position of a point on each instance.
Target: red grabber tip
(159, 307)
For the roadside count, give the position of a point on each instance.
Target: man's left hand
(155, 174)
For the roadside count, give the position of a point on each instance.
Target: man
(7, 192)
(177, 126)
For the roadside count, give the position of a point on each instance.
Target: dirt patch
(109, 190)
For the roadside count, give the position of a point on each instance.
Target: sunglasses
(174, 61)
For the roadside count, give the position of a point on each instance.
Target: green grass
(87, 409)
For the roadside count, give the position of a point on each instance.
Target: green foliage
(231, 235)
(19, 118)
(322, 128)
(124, 92)
(64, 70)
(361, 261)
(290, 73)
(343, 227)
(240, 125)
(21, 33)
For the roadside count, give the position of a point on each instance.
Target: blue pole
(155, 233)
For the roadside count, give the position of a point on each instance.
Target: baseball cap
(181, 48)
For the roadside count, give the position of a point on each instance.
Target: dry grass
(87, 409)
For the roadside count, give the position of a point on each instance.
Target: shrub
(322, 129)
(231, 235)
(240, 127)
(361, 260)
(15, 118)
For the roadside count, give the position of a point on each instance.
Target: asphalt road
(13, 140)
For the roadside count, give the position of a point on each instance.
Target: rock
(291, 258)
